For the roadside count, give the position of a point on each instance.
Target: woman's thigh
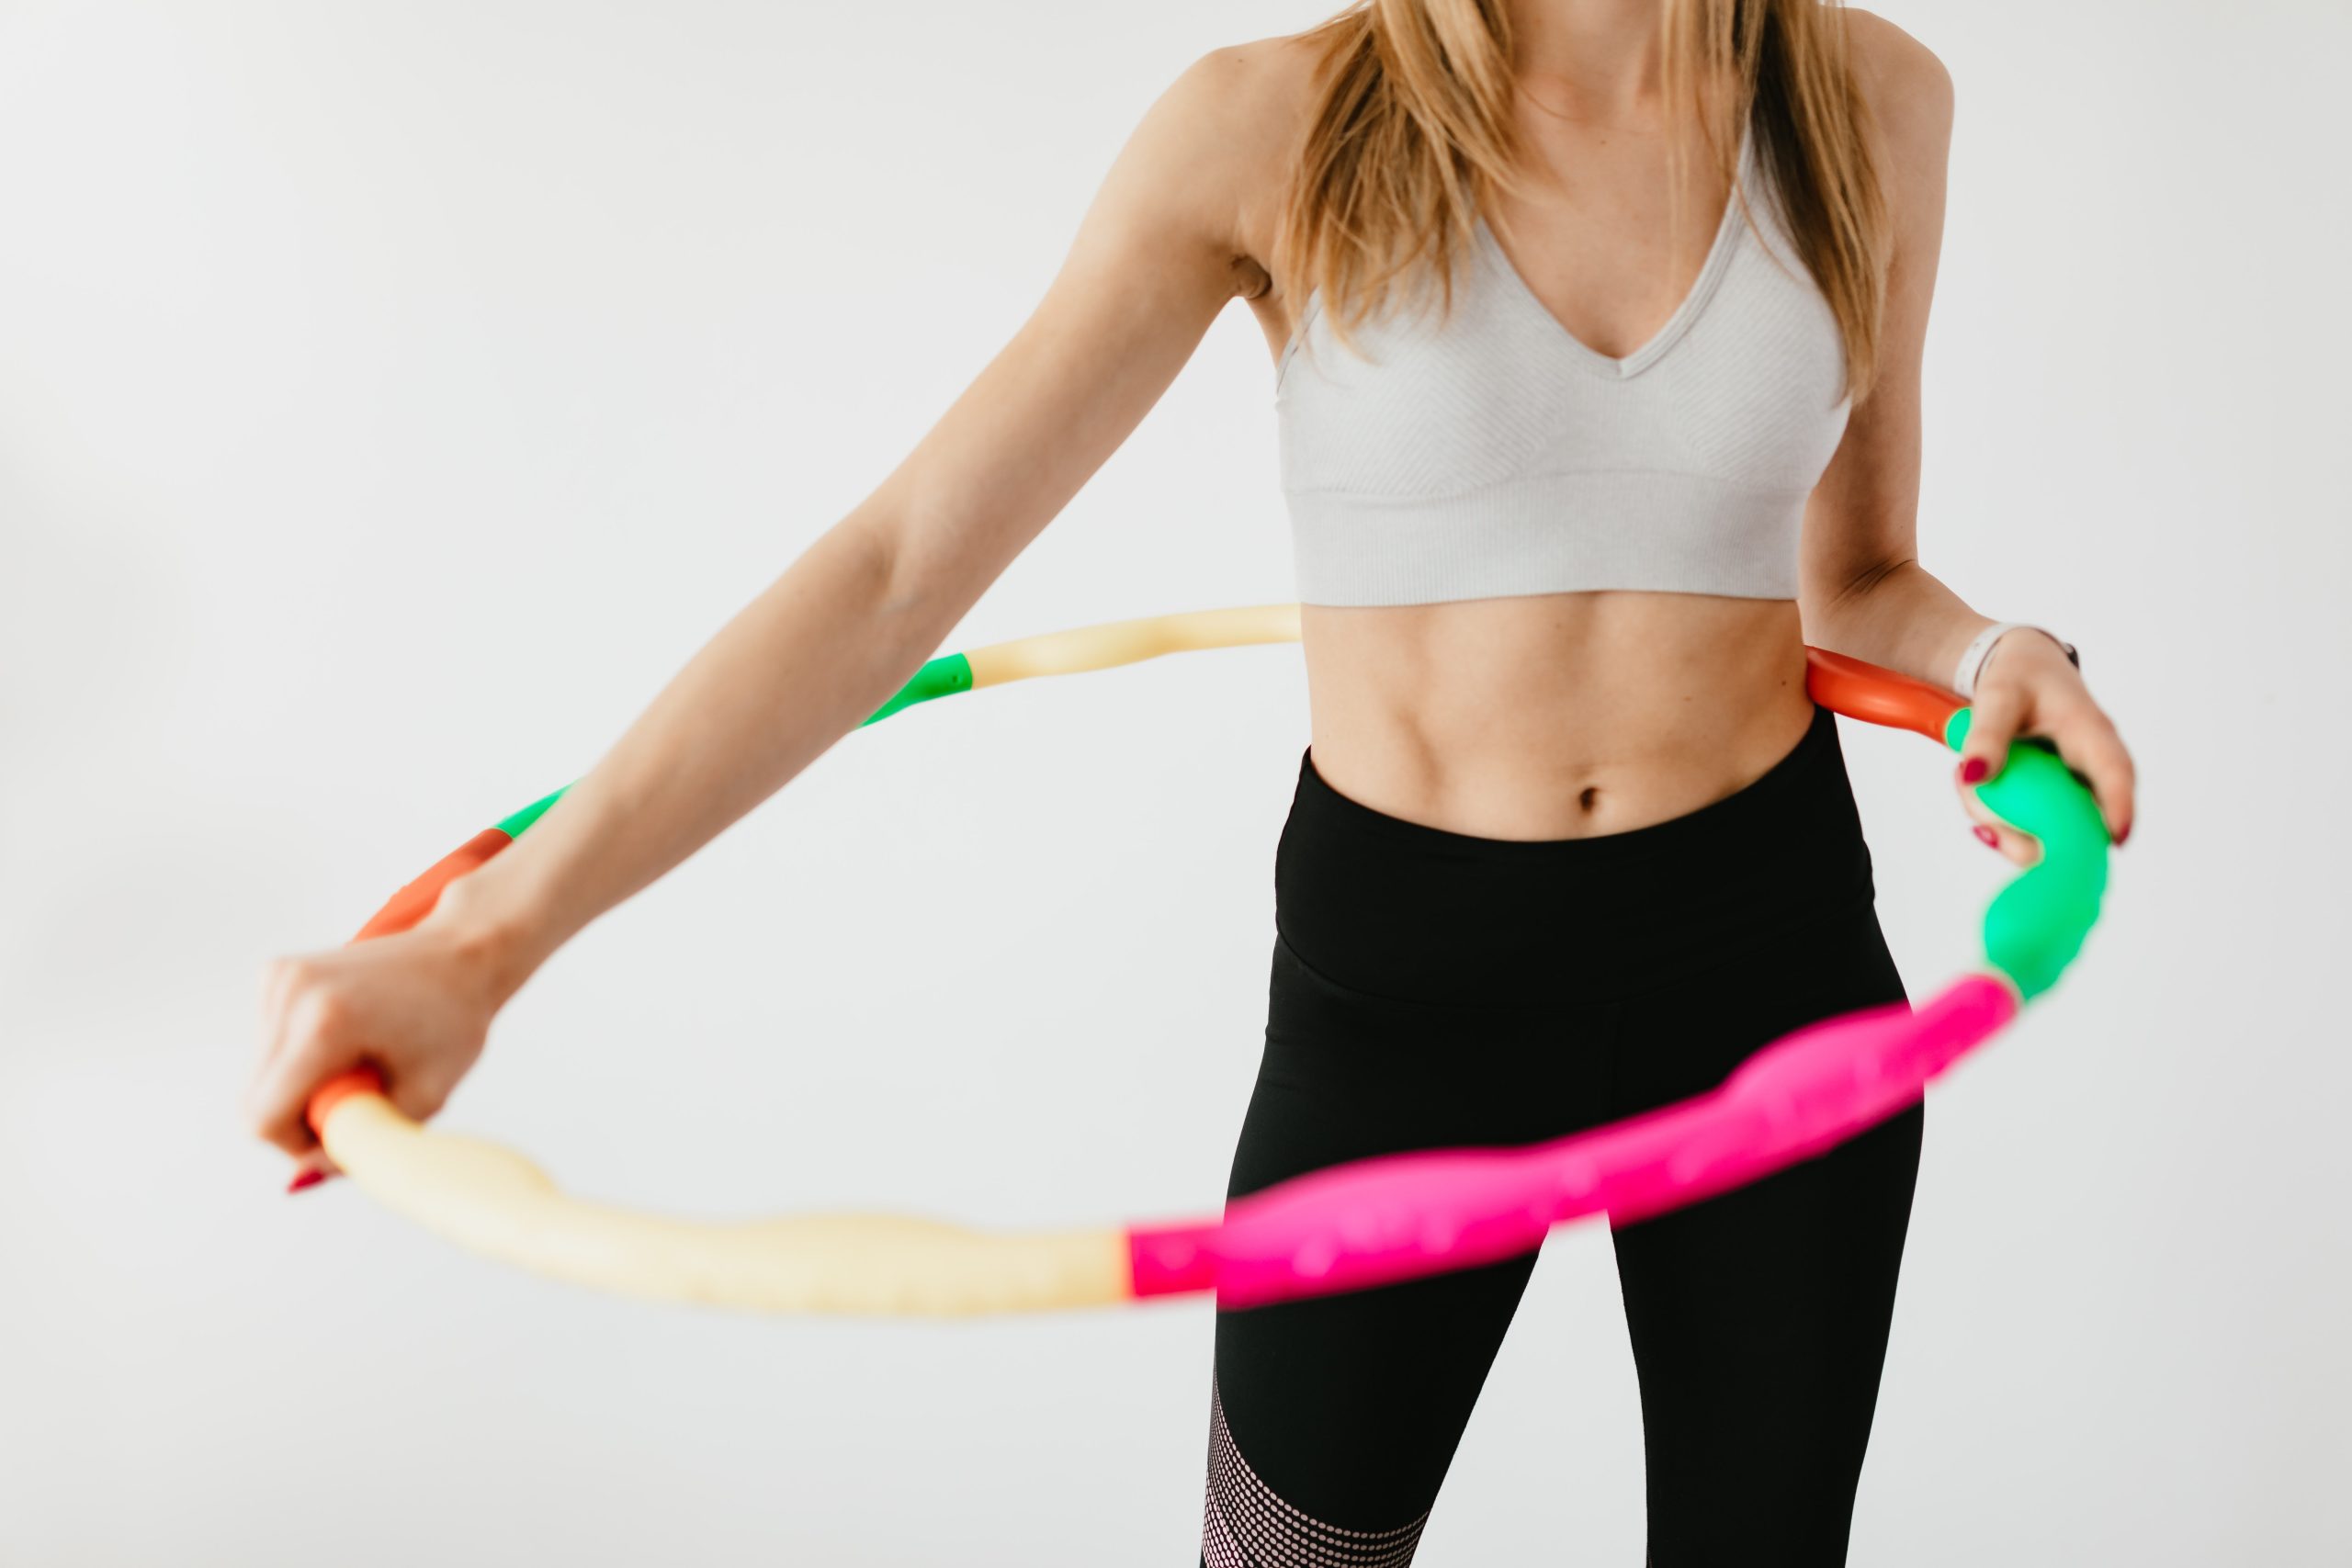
(1335, 1417)
(1759, 1317)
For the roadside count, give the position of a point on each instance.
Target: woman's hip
(1408, 913)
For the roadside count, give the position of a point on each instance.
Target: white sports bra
(1501, 456)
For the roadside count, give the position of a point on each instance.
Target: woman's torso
(1561, 714)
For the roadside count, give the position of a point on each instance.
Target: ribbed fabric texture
(1498, 455)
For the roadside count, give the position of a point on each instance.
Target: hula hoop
(1347, 1227)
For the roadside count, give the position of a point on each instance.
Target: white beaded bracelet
(1979, 652)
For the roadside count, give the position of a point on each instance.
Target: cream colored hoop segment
(1128, 642)
(494, 1201)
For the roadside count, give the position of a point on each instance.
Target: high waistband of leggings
(1792, 783)
(1401, 908)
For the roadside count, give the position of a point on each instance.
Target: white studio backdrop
(392, 397)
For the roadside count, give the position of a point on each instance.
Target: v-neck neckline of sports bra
(1710, 271)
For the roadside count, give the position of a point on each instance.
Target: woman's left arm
(1863, 590)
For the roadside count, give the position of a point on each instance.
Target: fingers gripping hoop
(1347, 1227)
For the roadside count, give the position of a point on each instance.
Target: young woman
(1572, 479)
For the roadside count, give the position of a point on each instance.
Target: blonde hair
(1412, 129)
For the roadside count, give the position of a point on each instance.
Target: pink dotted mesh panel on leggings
(1245, 1525)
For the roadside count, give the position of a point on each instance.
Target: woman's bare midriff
(1553, 715)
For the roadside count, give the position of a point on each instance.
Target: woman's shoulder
(1259, 90)
(1907, 88)
(1253, 101)
(1261, 93)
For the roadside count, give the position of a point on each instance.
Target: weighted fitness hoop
(1347, 1227)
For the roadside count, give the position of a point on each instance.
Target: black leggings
(1435, 989)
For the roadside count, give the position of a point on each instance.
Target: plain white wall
(391, 396)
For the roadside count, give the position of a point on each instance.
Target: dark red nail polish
(305, 1178)
(2123, 835)
(1973, 770)
(1988, 838)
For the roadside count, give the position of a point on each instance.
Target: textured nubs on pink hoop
(1379, 1220)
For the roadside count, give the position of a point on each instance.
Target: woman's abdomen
(1553, 715)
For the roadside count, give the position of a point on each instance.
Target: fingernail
(1973, 770)
(303, 1179)
(2123, 835)
(1988, 838)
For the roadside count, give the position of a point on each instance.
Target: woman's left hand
(2030, 688)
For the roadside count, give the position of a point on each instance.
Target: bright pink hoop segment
(1379, 1220)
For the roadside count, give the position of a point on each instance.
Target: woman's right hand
(416, 1005)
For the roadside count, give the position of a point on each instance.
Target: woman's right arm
(1154, 261)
